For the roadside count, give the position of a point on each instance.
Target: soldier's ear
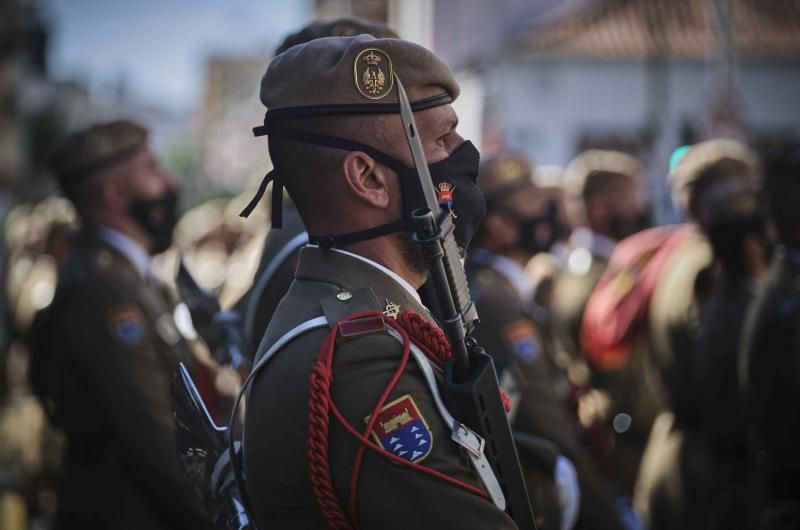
(112, 191)
(369, 181)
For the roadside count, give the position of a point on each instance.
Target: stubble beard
(413, 253)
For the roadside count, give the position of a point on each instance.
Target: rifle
(203, 451)
(202, 445)
(470, 382)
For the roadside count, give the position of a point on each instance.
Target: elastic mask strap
(328, 241)
(331, 241)
(277, 198)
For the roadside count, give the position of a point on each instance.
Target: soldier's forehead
(440, 119)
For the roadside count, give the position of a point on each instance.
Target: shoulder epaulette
(339, 306)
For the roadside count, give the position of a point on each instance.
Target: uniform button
(344, 296)
(622, 422)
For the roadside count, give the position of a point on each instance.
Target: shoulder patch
(523, 340)
(402, 430)
(127, 324)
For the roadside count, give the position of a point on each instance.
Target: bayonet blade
(417, 152)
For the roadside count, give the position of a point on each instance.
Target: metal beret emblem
(510, 169)
(373, 73)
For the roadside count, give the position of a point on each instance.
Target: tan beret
(353, 75)
(701, 157)
(504, 173)
(578, 174)
(341, 27)
(95, 149)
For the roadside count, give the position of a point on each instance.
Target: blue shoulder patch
(402, 430)
(522, 339)
(127, 324)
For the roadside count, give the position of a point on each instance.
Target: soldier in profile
(339, 147)
(523, 221)
(679, 280)
(106, 348)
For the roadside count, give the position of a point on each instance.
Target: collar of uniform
(128, 247)
(509, 269)
(597, 244)
(349, 270)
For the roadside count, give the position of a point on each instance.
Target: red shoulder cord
(432, 341)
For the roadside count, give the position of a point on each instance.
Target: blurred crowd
(659, 363)
(637, 343)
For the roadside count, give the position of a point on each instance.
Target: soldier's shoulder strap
(339, 307)
(346, 303)
(462, 435)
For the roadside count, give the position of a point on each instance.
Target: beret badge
(510, 169)
(373, 73)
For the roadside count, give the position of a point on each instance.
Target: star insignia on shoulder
(392, 309)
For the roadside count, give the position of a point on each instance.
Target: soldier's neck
(124, 226)
(384, 250)
(521, 257)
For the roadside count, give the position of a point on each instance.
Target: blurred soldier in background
(715, 474)
(521, 222)
(603, 190)
(707, 170)
(106, 348)
(683, 281)
(604, 194)
(769, 363)
(543, 269)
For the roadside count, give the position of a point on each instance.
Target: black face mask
(538, 234)
(621, 227)
(459, 171)
(456, 180)
(157, 217)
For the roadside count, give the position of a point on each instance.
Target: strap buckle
(474, 446)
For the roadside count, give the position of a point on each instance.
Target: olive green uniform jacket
(511, 333)
(276, 468)
(105, 352)
(633, 390)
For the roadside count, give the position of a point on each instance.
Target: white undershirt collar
(598, 244)
(407, 286)
(128, 247)
(515, 274)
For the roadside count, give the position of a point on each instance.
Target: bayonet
(470, 380)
